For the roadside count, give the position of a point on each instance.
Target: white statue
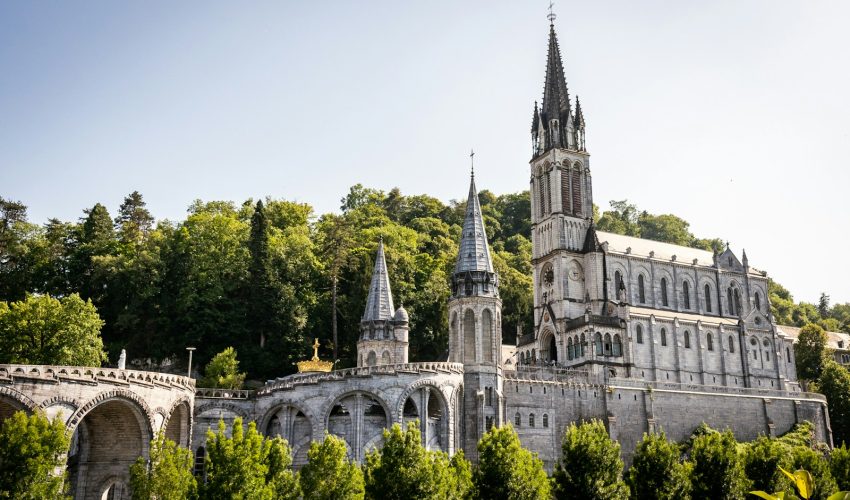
(122, 360)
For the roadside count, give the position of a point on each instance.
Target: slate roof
(379, 304)
(474, 253)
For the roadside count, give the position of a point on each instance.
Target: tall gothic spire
(474, 253)
(379, 304)
(556, 98)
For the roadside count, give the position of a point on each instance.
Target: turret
(383, 329)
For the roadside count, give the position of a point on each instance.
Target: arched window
(541, 185)
(686, 294)
(534, 356)
(545, 420)
(597, 339)
(641, 291)
(737, 302)
(664, 292)
(687, 339)
(570, 348)
(617, 349)
(607, 344)
(663, 337)
(576, 347)
(639, 334)
(531, 420)
(731, 304)
(618, 284)
(707, 298)
(581, 346)
(577, 210)
(758, 301)
(731, 344)
(517, 420)
(710, 341)
(469, 336)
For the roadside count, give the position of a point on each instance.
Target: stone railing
(546, 373)
(208, 393)
(363, 371)
(615, 382)
(91, 375)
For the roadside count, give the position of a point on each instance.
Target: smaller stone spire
(744, 259)
(379, 304)
(579, 117)
(474, 253)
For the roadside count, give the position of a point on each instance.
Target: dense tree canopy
(31, 449)
(329, 474)
(590, 464)
(48, 331)
(811, 352)
(657, 470)
(507, 470)
(166, 476)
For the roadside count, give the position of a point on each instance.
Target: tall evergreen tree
(507, 470)
(263, 311)
(657, 471)
(590, 465)
(811, 352)
(834, 383)
(134, 221)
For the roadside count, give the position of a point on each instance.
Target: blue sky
(730, 114)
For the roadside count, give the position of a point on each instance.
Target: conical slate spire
(579, 120)
(379, 304)
(556, 98)
(474, 253)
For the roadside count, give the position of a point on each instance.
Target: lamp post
(189, 373)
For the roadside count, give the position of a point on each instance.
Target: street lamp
(190, 349)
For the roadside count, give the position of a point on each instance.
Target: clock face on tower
(548, 275)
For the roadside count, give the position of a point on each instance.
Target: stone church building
(645, 336)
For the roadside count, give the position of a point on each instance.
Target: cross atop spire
(552, 16)
(472, 162)
(379, 303)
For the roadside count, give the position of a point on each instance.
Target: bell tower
(475, 326)
(566, 282)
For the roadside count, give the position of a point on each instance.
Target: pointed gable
(473, 253)
(379, 303)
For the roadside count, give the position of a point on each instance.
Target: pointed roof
(379, 304)
(473, 252)
(535, 118)
(556, 98)
(579, 119)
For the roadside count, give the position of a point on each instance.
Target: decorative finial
(472, 162)
(551, 17)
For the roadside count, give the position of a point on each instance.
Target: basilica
(642, 335)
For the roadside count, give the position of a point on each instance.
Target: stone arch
(12, 401)
(293, 424)
(546, 343)
(357, 426)
(178, 422)
(469, 336)
(439, 413)
(110, 432)
(221, 405)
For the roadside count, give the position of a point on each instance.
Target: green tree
(328, 474)
(263, 297)
(811, 352)
(404, 469)
(817, 465)
(839, 466)
(247, 466)
(166, 476)
(657, 471)
(834, 383)
(335, 242)
(717, 469)
(507, 470)
(48, 331)
(223, 371)
(590, 465)
(31, 449)
(762, 459)
(134, 222)
(667, 228)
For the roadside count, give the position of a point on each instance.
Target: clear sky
(731, 114)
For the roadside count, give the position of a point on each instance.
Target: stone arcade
(642, 335)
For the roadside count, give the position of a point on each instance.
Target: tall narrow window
(731, 304)
(618, 284)
(541, 190)
(570, 348)
(547, 183)
(788, 354)
(617, 347)
(664, 292)
(737, 303)
(545, 420)
(731, 344)
(566, 200)
(707, 298)
(710, 340)
(531, 420)
(598, 341)
(687, 339)
(517, 420)
(607, 344)
(577, 210)
(581, 346)
(686, 294)
(576, 346)
(758, 301)
(641, 291)
(663, 337)
(639, 334)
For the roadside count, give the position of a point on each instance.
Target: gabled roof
(618, 243)
(379, 303)
(473, 251)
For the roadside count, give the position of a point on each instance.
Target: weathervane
(551, 17)
(472, 161)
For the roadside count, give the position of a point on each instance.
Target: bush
(762, 459)
(168, 475)
(590, 465)
(223, 371)
(507, 470)
(817, 465)
(329, 475)
(717, 470)
(839, 466)
(657, 471)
